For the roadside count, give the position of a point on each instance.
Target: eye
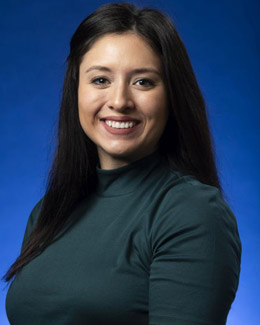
(99, 81)
(146, 82)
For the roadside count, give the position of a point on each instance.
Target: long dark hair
(186, 141)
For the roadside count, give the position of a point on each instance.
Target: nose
(119, 97)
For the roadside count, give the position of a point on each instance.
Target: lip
(119, 118)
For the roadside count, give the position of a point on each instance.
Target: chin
(123, 154)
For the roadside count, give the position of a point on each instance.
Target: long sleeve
(196, 258)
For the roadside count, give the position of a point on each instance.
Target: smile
(121, 128)
(120, 125)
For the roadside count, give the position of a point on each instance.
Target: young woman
(133, 227)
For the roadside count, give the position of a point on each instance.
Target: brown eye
(146, 82)
(99, 81)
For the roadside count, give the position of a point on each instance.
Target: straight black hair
(186, 141)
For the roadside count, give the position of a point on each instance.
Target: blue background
(222, 39)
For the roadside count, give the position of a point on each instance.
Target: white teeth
(120, 125)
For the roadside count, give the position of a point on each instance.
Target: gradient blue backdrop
(222, 39)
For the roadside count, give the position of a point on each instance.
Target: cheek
(88, 104)
(155, 108)
(83, 98)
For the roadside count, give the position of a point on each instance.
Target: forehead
(122, 49)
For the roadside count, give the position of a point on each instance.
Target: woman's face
(120, 79)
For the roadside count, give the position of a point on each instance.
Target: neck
(108, 162)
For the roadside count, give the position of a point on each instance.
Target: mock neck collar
(126, 179)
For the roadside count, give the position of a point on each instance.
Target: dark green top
(151, 246)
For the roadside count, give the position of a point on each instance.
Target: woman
(133, 227)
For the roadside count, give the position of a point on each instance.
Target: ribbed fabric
(151, 246)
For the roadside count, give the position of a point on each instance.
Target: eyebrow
(135, 71)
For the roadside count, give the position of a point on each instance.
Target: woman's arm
(195, 270)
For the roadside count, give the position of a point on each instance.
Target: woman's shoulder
(32, 220)
(187, 185)
(35, 211)
(189, 206)
(185, 195)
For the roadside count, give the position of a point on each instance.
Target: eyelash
(151, 83)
